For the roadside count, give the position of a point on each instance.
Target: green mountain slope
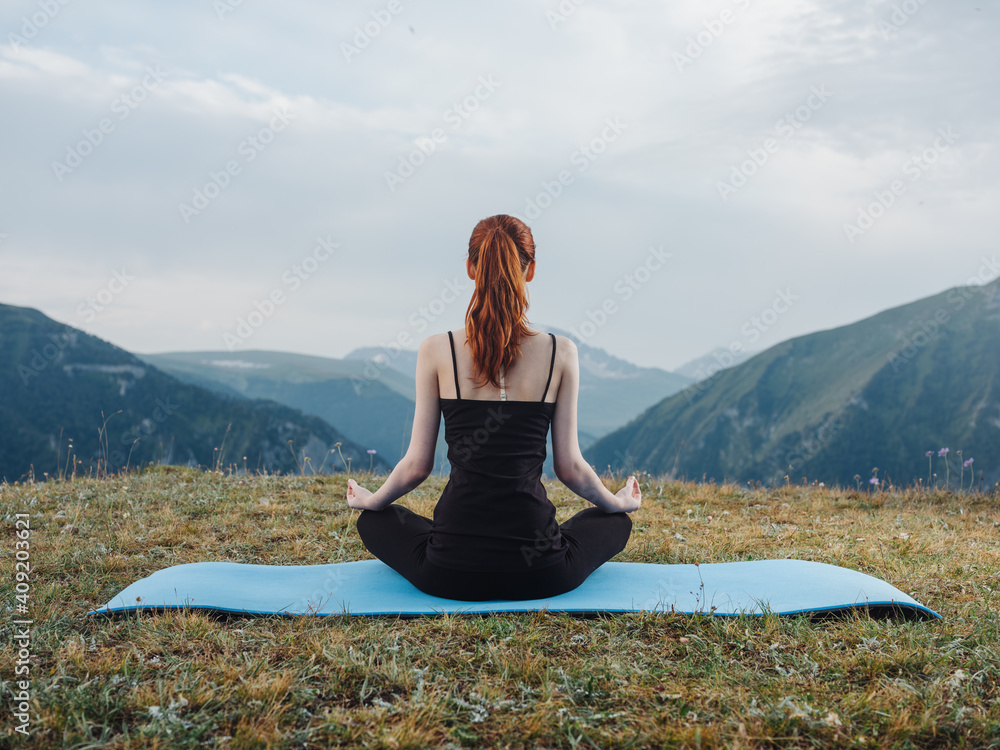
(834, 404)
(56, 381)
(370, 393)
(373, 406)
(612, 390)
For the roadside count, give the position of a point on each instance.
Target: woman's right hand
(629, 496)
(357, 496)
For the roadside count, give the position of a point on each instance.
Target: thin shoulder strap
(551, 364)
(454, 363)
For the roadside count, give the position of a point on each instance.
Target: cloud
(357, 120)
(35, 63)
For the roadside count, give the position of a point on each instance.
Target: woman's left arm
(418, 463)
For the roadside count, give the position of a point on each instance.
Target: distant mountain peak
(236, 364)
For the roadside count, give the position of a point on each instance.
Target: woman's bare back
(524, 380)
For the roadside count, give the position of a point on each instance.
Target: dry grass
(187, 679)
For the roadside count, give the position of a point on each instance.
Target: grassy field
(186, 679)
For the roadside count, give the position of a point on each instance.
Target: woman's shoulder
(437, 339)
(565, 346)
(435, 345)
(566, 353)
(562, 342)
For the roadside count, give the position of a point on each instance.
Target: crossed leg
(398, 537)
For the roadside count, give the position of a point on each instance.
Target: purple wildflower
(929, 454)
(968, 462)
(371, 450)
(873, 480)
(943, 452)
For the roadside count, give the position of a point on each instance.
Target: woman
(494, 533)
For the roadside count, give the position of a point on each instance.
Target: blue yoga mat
(369, 587)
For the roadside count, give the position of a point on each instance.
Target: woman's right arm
(571, 467)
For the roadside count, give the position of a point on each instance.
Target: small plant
(972, 475)
(346, 466)
(326, 456)
(301, 468)
(943, 453)
(371, 459)
(103, 452)
(217, 460)
(69, 459)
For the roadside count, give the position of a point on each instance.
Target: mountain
(403, 361)
(62, 385)
(718, 359)
(370, 393)
(878, 393)
(612, 390)
(372, 404)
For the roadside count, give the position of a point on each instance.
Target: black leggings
(398, 537)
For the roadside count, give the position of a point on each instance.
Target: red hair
(501, 248)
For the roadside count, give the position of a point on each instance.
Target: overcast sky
(696, 169)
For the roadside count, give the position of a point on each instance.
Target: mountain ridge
(61, 383)
(815, 404)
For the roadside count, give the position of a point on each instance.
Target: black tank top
(494, 515)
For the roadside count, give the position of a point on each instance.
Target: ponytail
(501, 248)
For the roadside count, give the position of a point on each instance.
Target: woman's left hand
(357, 496)
(630, 496)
